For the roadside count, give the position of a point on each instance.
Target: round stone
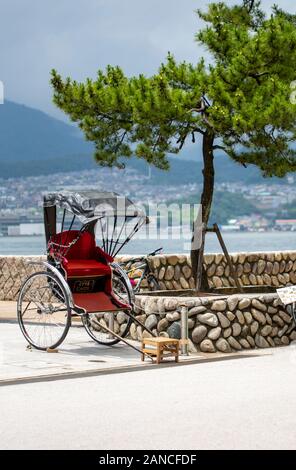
(285, 316)
(191, 323)
(208, 319)
(259, 305)
(283, 331)
(247, 268)
(121, 317)
(199, 333)
(219, 305)
(207, 346)
(244, 303)
(266, 330)
(244, 343)
(174, 330)
(240, 317)
(211, 270)
(236, 329)
(173, 316)
(251, 341)
(232, 303)
(230, 316)
(151, 321)
(214, 333)
(227, 332)
(218, 258)
(278, 320)
(177, 274)
(259, 316)
(173, 260)
(162, 324)
(223, 346)
(196, 310)
(234, 343)
(170, 304)
(186, 271)
(209, 259)
(248, 317)
(151, 306)
(133, 331)
(219, 271)
(217, 281)
(276, 268)
(254, 328)
(169, 273)
(261, 266)
(224, 322)
(184, 283)
(261, 342)
(245, 331)
(161, 273)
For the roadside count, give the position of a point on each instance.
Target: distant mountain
(27, 134)
(34, 143)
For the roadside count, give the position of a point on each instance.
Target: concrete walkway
(248, 403)
(238, 401)
(78, 355)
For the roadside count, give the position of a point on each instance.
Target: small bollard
(184, 330)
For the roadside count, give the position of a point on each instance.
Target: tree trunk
(206, 202)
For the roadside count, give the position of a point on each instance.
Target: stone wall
(234, 323)
(174, 271)
(13, 271)
(253, 269)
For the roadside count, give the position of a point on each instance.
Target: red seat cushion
(86, 267)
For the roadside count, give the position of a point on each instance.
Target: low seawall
(225, 323)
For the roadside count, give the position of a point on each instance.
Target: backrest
(83, 248)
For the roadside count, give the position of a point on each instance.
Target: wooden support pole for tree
(215, 229)
(225, 251)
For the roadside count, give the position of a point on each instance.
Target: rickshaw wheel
(119, 321)
(44, 312)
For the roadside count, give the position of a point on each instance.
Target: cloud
(79, 37)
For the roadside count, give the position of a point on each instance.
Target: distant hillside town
(237, 206)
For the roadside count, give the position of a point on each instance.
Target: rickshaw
(80, 278)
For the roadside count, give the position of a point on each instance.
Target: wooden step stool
(160, 347)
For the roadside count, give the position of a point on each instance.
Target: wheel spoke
(44, 319)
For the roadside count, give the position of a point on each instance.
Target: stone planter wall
(225, 324)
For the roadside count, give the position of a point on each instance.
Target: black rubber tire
(20, 317)
(85, 319)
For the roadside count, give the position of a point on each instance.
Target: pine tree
(239, 102)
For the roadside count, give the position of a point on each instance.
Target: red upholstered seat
(85, 267)
(83, 258)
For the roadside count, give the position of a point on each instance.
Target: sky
(78, 37)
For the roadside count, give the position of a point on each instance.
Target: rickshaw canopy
(92, 205)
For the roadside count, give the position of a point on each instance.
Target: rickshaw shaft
(124, 341)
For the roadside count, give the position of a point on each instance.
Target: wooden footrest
(160, 348)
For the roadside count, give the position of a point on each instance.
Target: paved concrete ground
(78, 354)
(238, 401)
(248, 403)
